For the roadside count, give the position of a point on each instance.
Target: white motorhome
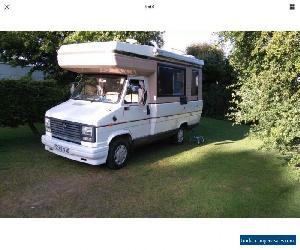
(127, 94)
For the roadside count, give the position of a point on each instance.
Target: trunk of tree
(33, 128)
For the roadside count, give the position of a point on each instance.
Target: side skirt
(156, 137)
(152, 138)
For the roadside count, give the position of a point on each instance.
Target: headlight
(47, 124)
(88, 133)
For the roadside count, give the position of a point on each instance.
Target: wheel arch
(119, 134)
(183, 124)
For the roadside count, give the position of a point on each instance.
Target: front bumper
(93, 156)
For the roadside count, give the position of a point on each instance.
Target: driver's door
(136, 115)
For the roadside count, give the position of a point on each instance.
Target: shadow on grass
(219, 184)
(231, 184)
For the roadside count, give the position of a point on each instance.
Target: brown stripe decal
(157, 117)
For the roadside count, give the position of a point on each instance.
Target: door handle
(126, 108)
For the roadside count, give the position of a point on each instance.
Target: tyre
(118, 153)
(178, 138)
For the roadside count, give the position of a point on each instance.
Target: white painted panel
(169, 116)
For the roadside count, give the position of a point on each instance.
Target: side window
(170, 81)
(195, 82)
(178, 84)
(132, 92)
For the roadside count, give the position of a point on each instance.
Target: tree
(267, 91)
(217, 76)
(39, 49)
(142, 37)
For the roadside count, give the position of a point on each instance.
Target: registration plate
(61, 148)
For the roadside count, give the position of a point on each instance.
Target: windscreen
(99, 88)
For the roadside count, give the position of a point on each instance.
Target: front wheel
(118, 153)
(178, 138)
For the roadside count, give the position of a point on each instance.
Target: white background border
(132, 15)
(139, 234)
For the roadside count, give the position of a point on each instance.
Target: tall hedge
(268, 89)
(217, 77)
(24, 102)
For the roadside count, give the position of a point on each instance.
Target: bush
(25, 101)
(267, 93)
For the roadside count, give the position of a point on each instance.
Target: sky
(179, 40)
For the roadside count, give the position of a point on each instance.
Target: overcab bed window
(170, 81)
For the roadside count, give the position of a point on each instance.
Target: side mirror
(142, 95)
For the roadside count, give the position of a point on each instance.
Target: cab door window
(132, 92)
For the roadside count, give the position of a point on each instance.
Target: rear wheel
(178, 138)
(118, 153)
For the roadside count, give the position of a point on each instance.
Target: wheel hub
(180, 136)
(120, 154)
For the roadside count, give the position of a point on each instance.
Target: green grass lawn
(225, 177)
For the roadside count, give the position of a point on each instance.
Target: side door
(136, 115)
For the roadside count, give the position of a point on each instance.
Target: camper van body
(87, 131)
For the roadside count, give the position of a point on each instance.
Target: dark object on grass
(198, 139)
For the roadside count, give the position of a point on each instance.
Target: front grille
(65, 130)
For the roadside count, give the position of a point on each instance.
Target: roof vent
(131, 41)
